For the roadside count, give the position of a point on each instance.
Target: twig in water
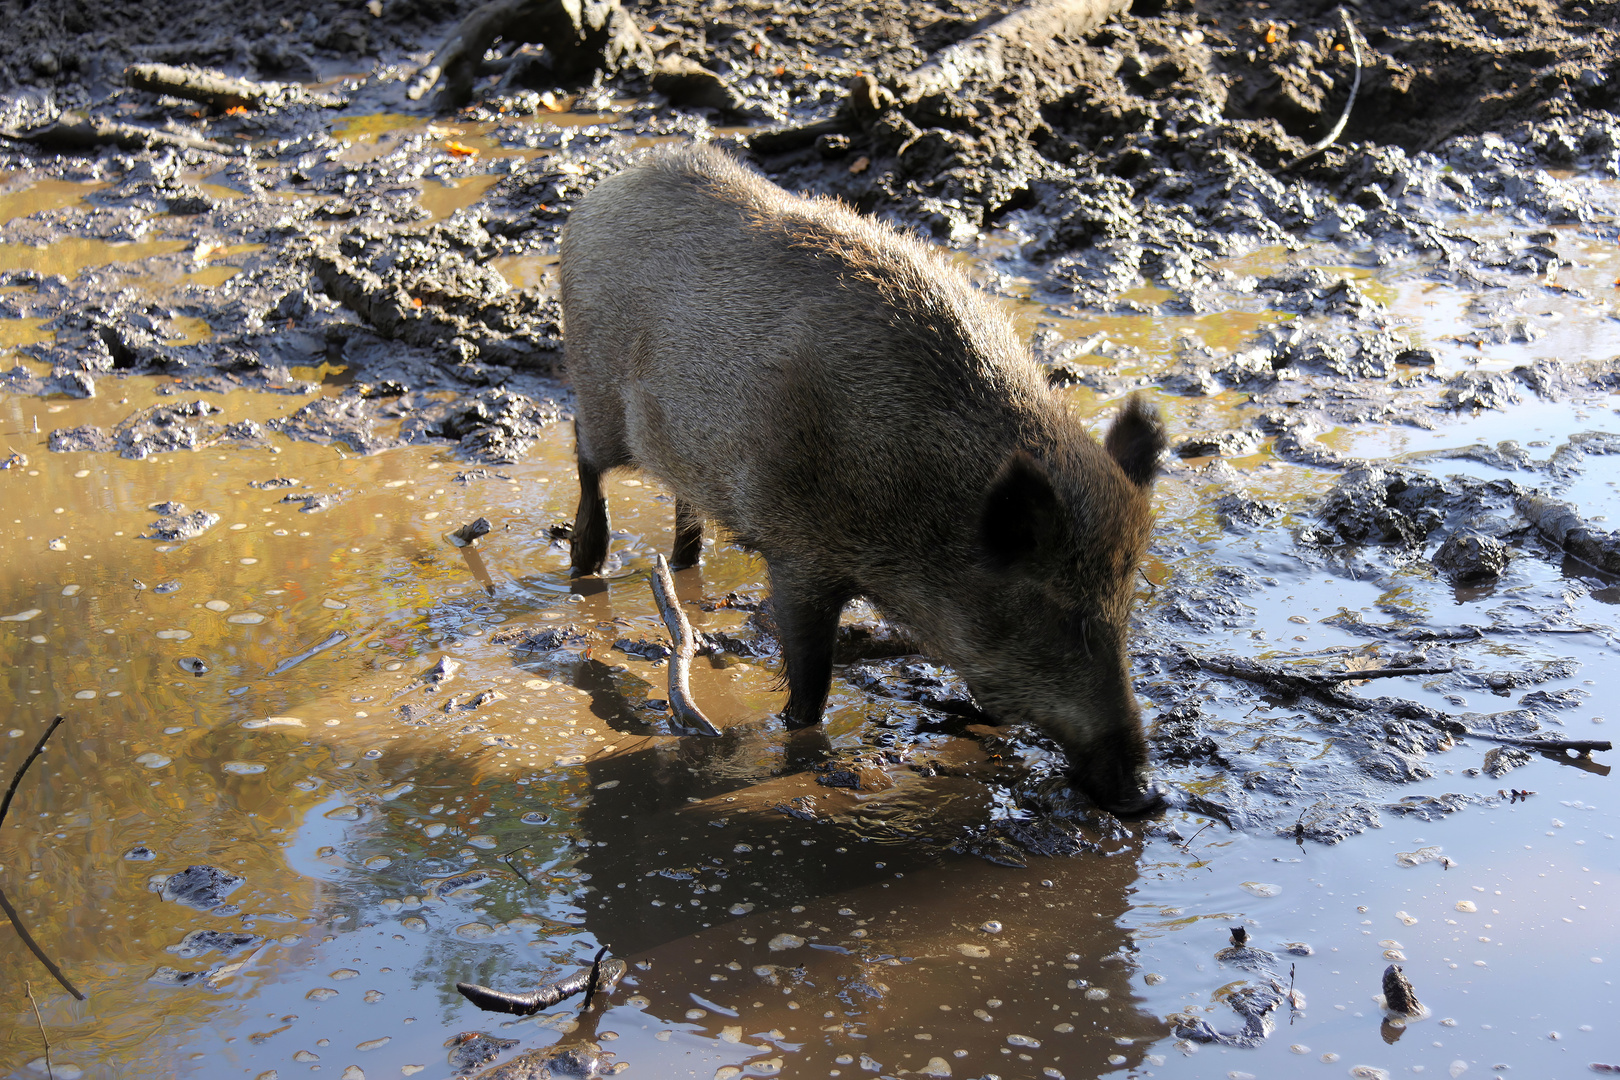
(1186, 845)
(33, 946)
(687, 714)
(507, 859)
(1349, 103)
(1293, 1010)
(28, 988)
(5, 905)
(598, 976)
(1583, 747)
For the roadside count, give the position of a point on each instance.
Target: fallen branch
(5, 904)
(94, 132)
(687, 714)
(1583, 747)
(220, 91)
(1355, 88)
(28, 988)
(1302, 682)
(587, 980)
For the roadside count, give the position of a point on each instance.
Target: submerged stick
(28, 988)
(1583, 747)
(1283, 679)
(5, 904)
(1350, 102)
(687, 714)
(70, 135)
(587, 980)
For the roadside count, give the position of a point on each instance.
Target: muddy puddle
(403, 764)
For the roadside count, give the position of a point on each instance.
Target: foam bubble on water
(977, 952)
(482, 840)
(434, 830)
(1261, 888)
(354, 1072)
(71, 590)
(344, 973)
(39, 639)
(334, 605)
(1467, 905)
(247, 562)
(414, 924)
(371, 997)
(85, 695)
(343, 813)
(21, 616)
(474, 931)
(172, 635)
(396, 791)
(1023, 1040)
(246, 618)
(321, 993)
(783, 942)
(217, 605)
(243, 768)
(372, 1044)
(152, 760)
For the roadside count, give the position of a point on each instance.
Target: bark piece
(220, 91)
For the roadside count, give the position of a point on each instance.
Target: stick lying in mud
(220, 91)
(1583, 747)
(1349, 103)
(94, 132)
(687, 714)
(1295, 681)
(5, 904)
(587, 980)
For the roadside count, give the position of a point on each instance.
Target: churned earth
(263, 354)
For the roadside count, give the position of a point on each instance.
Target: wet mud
(267, 361)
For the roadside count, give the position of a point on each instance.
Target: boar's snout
(1115, 778)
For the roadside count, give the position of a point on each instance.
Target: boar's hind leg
(688, 536)
(590, 541)
(807, 623)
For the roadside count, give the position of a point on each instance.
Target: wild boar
(838, 398)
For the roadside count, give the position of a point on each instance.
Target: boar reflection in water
(843, 402)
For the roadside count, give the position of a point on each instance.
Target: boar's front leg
(688, 537)
(807, 624)
(590, 540)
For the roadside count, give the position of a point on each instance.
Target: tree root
(587, 980)
(580, 38)
(1293, 682)
(687, 714)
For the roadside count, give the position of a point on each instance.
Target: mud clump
(1469, 559)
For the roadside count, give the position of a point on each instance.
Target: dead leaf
(1361, 662)
(1271, 34)
(859, 164)
(375, 7)
(460, 149)
(236, 110)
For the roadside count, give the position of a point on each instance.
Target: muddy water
(254, 700)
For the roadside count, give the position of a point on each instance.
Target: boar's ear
(1136, 440)
(1021, 513)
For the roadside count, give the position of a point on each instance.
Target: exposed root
(1583, 747)
(220, 91)
(587, 980)
(95, 132)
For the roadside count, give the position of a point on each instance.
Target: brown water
(761, 944)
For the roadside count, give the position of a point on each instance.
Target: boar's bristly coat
(839, 399)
